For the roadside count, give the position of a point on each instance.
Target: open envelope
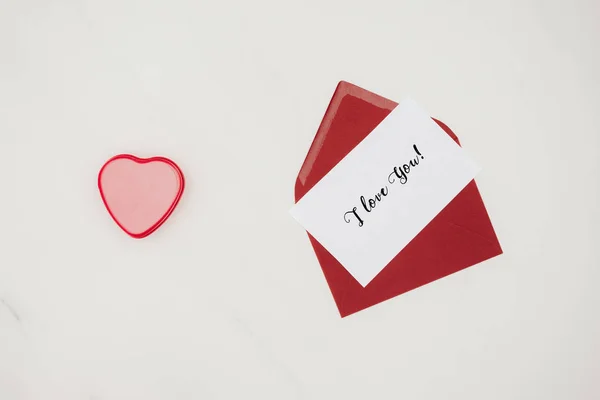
(460, 236)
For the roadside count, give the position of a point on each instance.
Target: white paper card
(385, 191)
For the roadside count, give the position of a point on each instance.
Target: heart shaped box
(140, 193)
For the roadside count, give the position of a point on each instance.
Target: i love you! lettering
(367, 205)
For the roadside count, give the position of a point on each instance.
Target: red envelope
(460, 236)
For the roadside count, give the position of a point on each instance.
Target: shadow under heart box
(389, 200)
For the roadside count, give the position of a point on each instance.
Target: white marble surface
(227, 301)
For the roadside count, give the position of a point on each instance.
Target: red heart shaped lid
(140, 193)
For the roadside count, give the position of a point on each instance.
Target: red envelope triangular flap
(460, 236)
(346, 106)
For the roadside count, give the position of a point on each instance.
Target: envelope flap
(340, 131)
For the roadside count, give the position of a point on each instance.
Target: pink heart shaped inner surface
(139, 195)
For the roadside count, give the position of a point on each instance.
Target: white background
(226, 300)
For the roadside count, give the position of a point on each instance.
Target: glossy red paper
(460, 236)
